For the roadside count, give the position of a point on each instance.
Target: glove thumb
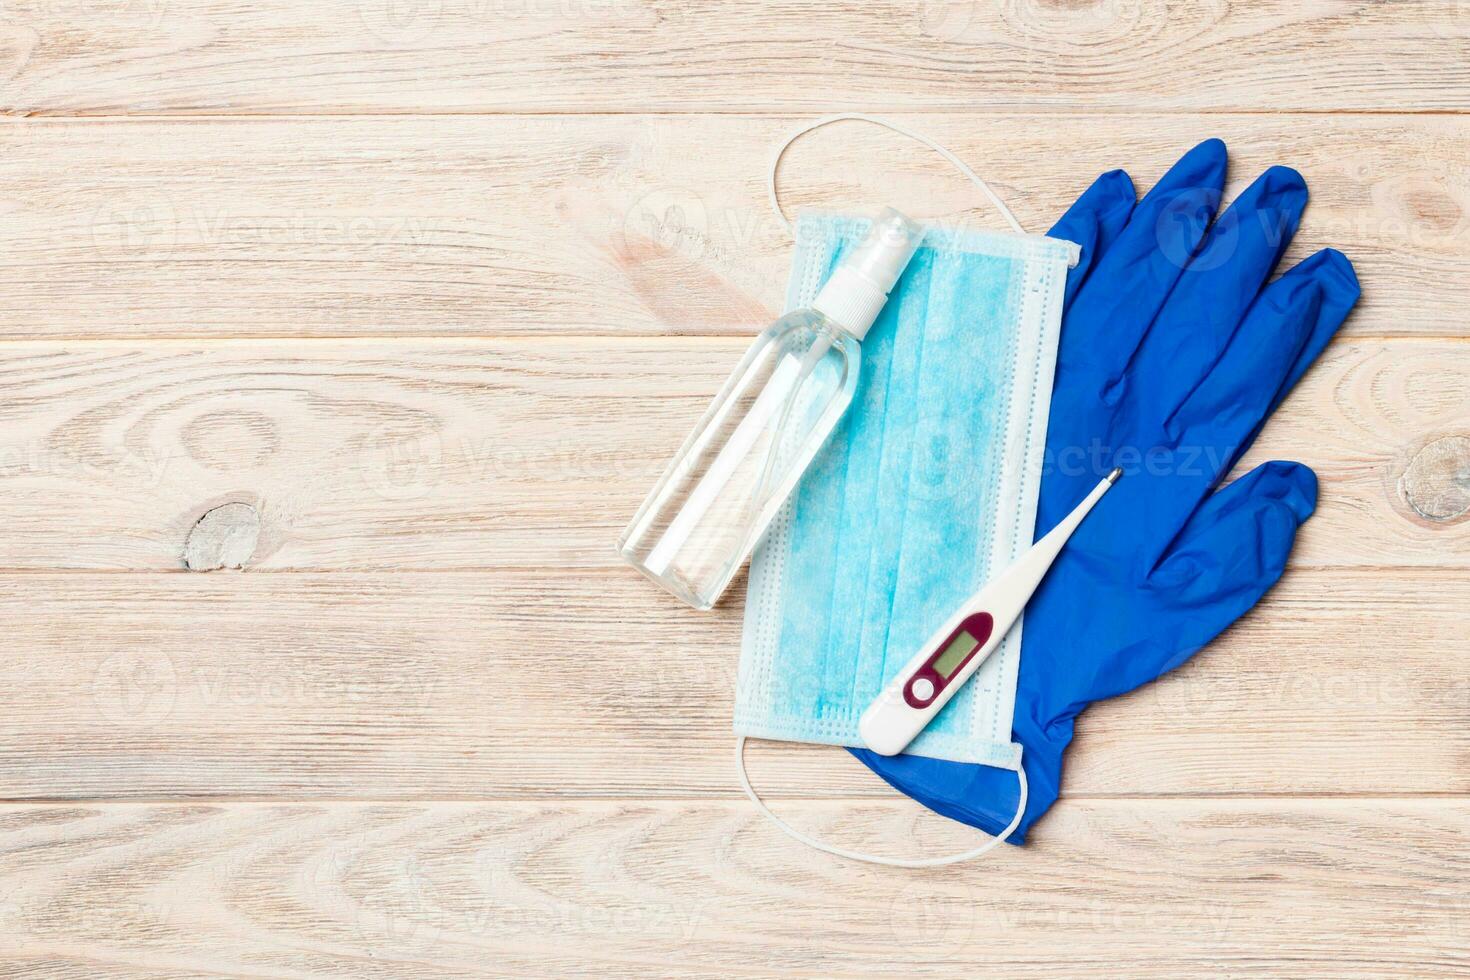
(1233, 549)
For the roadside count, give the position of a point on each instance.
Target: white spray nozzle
(859, 287)
(885, 253)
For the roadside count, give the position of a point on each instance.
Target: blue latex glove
(1174, 351)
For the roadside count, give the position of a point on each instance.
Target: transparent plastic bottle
(705, 515)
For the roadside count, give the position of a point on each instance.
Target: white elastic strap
(937, 862)
(902, 131)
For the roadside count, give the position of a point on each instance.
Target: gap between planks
(981, 110)
(542, 802)
(536, 339)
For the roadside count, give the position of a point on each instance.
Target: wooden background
(429, 290)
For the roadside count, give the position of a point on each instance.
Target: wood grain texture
(479, 686)
(384, 455)
(151, 56)
(414, 298)
(1305, 888)
(476, 226)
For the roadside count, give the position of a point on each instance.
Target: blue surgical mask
(926, 489)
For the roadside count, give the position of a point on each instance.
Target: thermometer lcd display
(959, 648)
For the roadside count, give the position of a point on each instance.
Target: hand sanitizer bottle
(704, 516)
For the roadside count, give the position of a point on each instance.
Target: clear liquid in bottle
(705, 515)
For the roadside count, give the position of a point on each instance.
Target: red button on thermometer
(960, 646)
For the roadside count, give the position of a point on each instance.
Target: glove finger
(1133, 278)
(1217, 288)
(1093, 222)
(1233, 548)
(1342, 291)
(1287, 327)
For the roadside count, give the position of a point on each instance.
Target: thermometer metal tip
(958, 648)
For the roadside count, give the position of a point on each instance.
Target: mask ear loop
(959, 164)
(842, 852)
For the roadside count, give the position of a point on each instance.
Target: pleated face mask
(925, 490)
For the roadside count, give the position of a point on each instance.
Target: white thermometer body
(957, 649)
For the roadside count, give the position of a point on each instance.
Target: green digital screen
(959, 648)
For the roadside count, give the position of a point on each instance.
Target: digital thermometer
(960, 646)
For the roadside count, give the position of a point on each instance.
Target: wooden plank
(378, 455)
(617, 224)
(549, 686)
(151, 56)
(1299, 888)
